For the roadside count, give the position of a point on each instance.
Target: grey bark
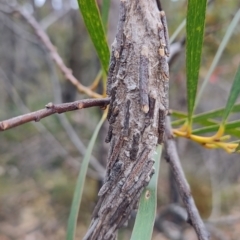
(172, 158)
(138, 86)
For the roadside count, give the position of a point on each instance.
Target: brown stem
(52, 109)
(183, 186)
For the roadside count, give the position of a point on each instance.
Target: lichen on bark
(138, 86)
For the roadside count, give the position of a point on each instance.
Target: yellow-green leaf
(233, 95)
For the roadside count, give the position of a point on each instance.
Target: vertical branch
(138, 85)
(173, 159)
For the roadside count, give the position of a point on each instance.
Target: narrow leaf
(144, 222)
(93, 22)
(215, 113)
(231, 29)
(202, 117)
(195, 30)
(178, 114)
(105, 13)
(72, 221)
(234, 125)
(234, 93)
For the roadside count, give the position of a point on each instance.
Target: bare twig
(54, 17)
(52, 50)
(183, 187)
(70, 131)
(59, 149)
(52, 109)
(17, 29)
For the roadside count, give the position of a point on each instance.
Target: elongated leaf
(105, 13)
(233, 132)
(231, 29)
(215, 113)
(233, 95)
(234, 125)
(178, 114)
(202, 117)
(72, 221)
(93, 22)
(143, 226)
(195, 30)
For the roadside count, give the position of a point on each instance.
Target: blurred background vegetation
(39, 162)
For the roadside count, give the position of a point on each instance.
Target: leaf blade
(105, 13)
(233, 126)
(144, 222)
(230, 30)
(233, 95)
(199, 118)
(93, 22)
(195, 33)
(72, 221)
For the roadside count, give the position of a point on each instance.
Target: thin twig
(52, 109)
(183, 187)
(54, 17)
(52, 50)
(70, 131)
(59, 149)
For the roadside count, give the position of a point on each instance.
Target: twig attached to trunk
(183, 187)
(52, 109)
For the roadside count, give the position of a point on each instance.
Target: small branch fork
(52, 109)
(173, 159)
(52, 50)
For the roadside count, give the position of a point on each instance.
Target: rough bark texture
(138, 86)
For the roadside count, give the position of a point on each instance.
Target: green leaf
(144, 222)
(215, 113)
(105, 13)
(202, 117)
(72, 221)
(234, 93)
(93, 22)
(195, 30)
(178, 114)
(233, 126)
(231, 29)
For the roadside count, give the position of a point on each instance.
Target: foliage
(145, 219)
(190, 125)
(72, 222)
(195, 34)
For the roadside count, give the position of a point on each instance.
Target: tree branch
(70, 131)
(59, 148)
(52, 50)
(173, 159)
(52, 109)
